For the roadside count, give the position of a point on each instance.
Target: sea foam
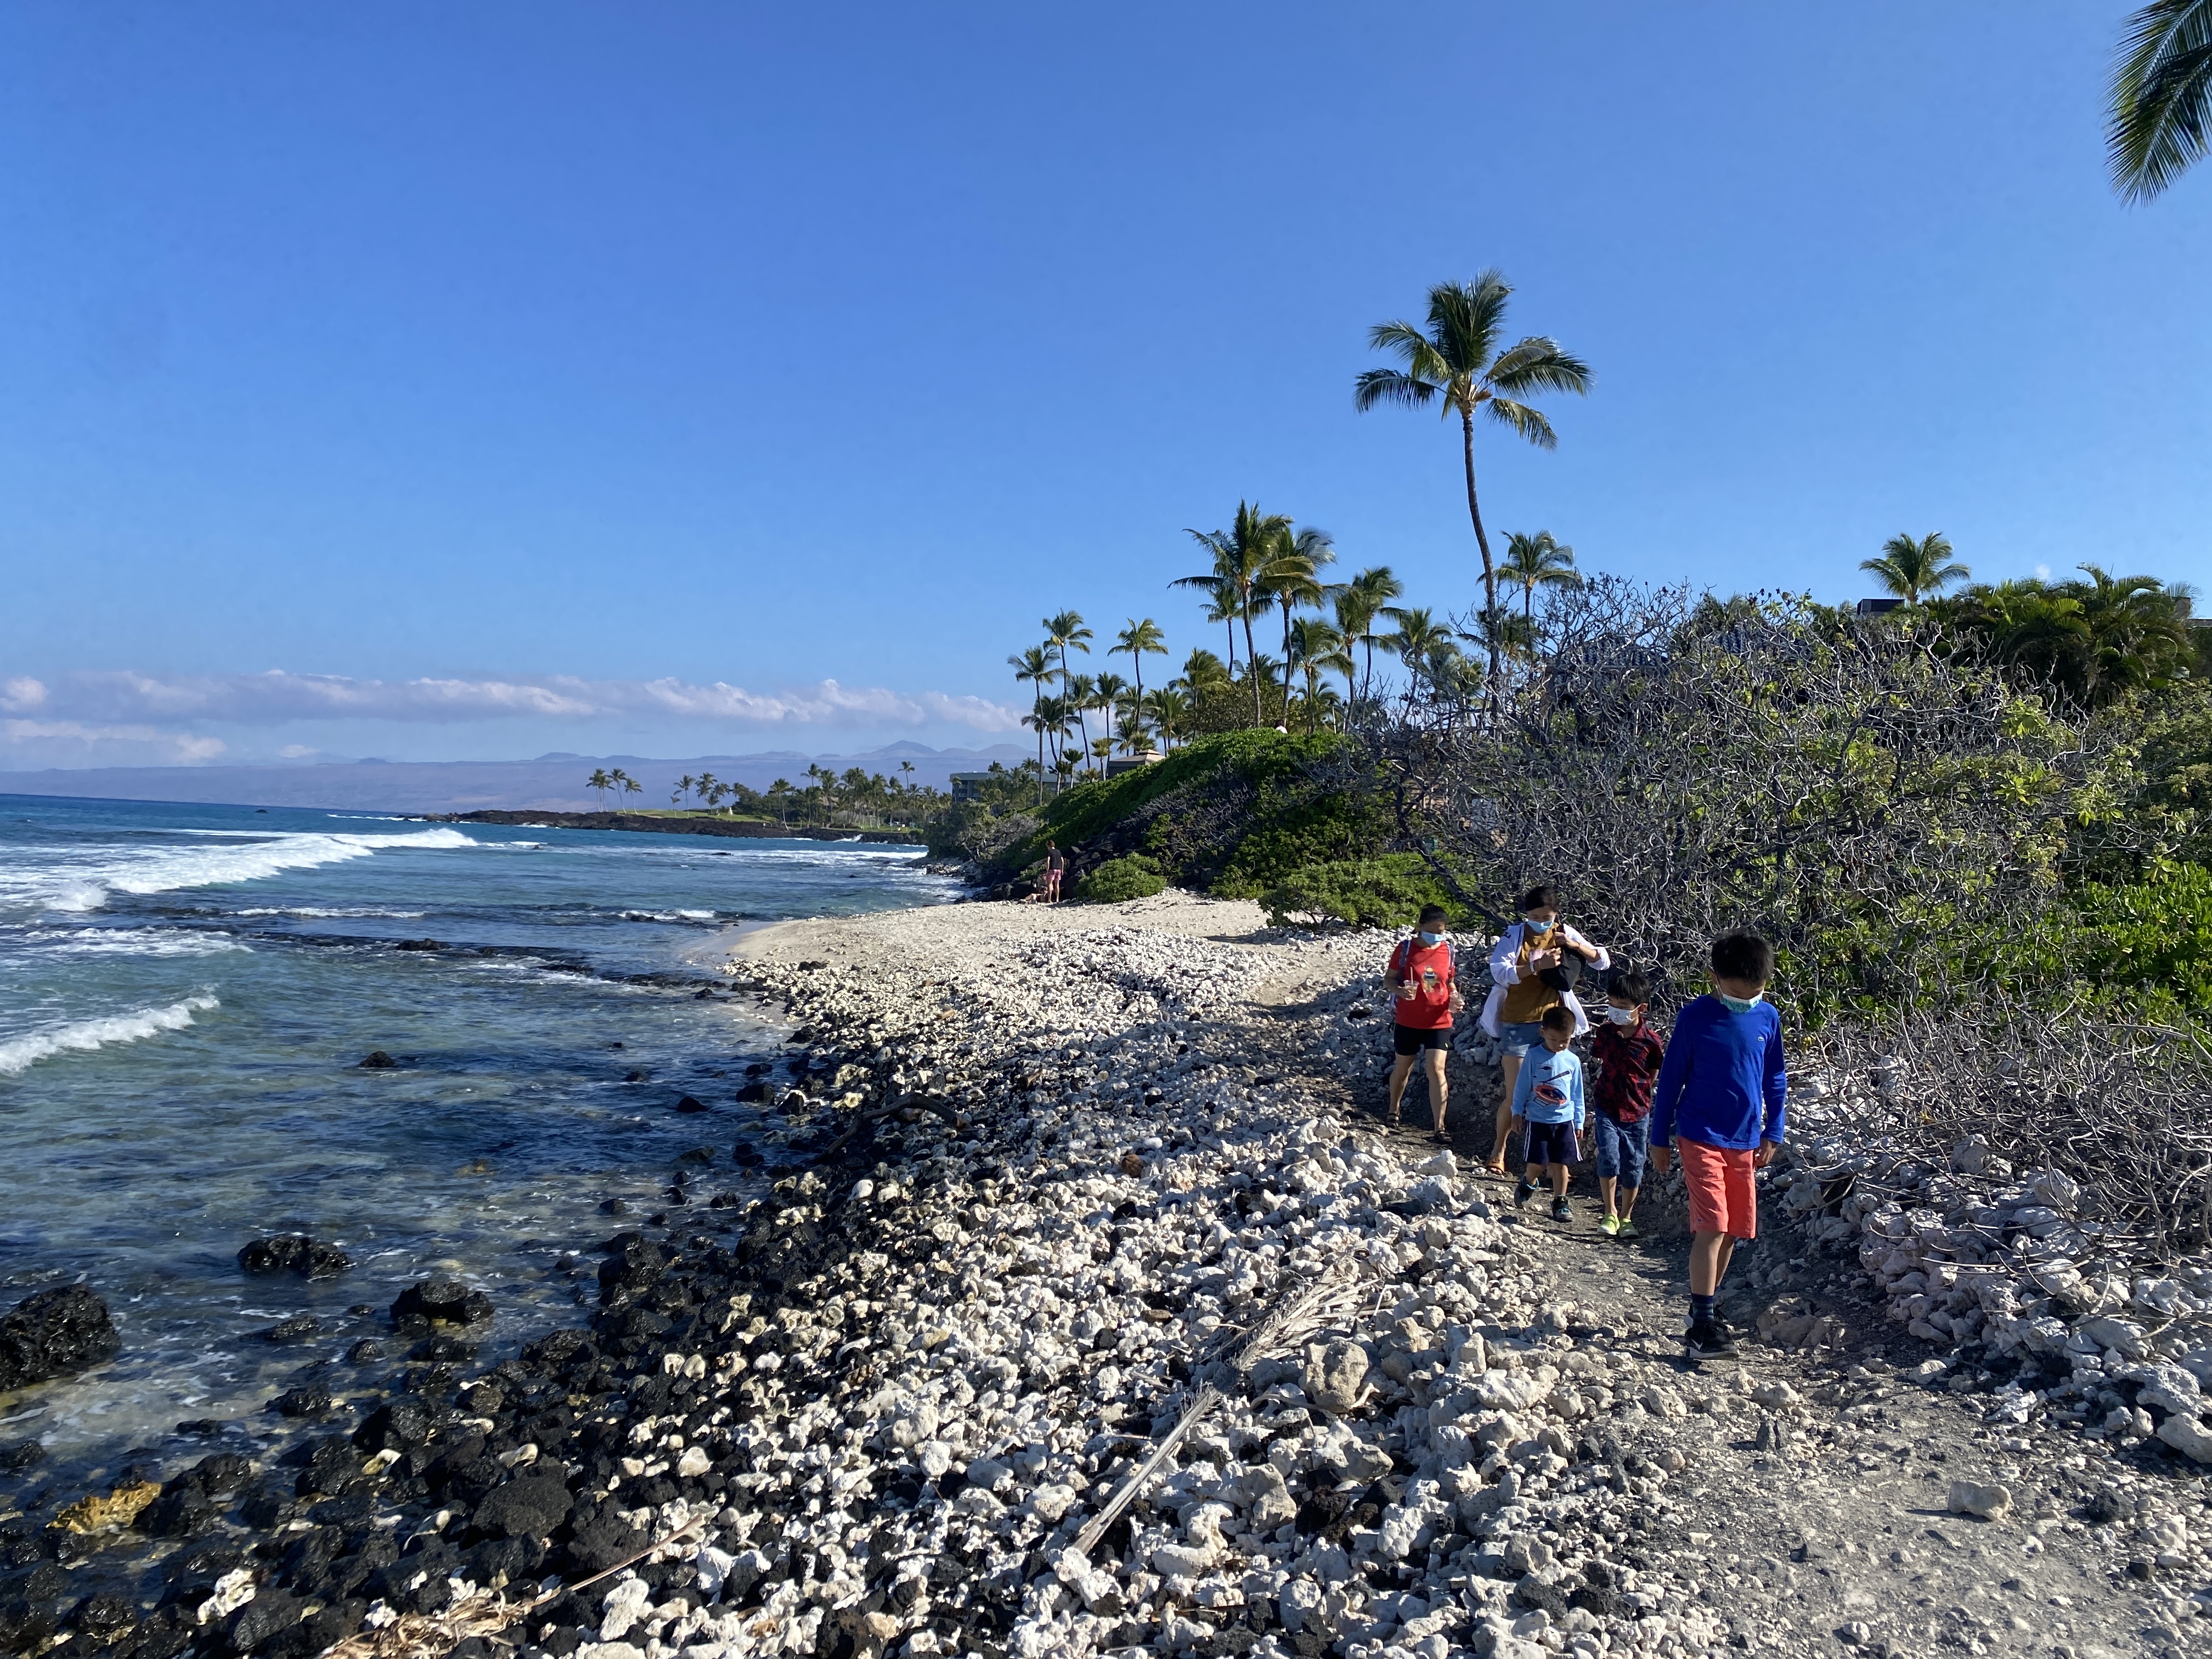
(86, 885)
(19, 1054)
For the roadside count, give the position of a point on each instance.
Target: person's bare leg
(1439, 1089)
(1559, 1173)
(1627, 1201)
(1606, 1184)
(1708, 1254)
(1509, 1067)
(1401, 1069)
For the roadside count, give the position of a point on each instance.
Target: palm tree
(1080, 694)
(1133, 642)
(711, 788)
(1110, 690)
(1203, 671)
(1534, 562)
(1135, 740)
(1315, 648)
(1040, 720)
(1168, 710)
(1359, 602)
(1293, 575)
(2161, 97)
(1418, 638)
(1064, 633)
(622, 780)
(599, 783)
(1914, 570)
(683, 788)
(1032, 666)
(906, 774)
(1457, 361)
(1242, 554)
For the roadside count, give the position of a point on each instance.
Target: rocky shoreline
(655, 824)
(1093, 1183)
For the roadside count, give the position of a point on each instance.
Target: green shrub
(1117, 880)
(1381, 892)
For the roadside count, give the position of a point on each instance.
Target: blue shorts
(1622, 1149)
(1520, 1036)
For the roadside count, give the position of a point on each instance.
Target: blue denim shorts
(1622, 1149)
(1519, 1036)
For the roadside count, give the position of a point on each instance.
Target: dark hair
(1434, 913)
(1745, 957)
(1542, 896)
(1630, 986)
(1558, 1017)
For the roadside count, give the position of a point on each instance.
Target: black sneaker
(1707, 1341)
(1523, 1192)
(1562, 1211)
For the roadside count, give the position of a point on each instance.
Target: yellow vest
(1525, 1003)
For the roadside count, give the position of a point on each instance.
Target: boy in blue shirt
(1720, 1094)
(1548, 1104)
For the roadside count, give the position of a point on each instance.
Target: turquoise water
(186, 995)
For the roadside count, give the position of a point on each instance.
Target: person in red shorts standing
(1720, 1097)
(1422, 983)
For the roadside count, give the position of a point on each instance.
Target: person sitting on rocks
(1721, 1092)
(1424, 999)
(1535, 967)
(1628, 1050)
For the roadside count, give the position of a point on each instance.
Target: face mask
(1538, 928)
(1738, 1004)
(1432, 939)
(1621, 1016)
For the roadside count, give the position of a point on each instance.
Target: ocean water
(186, 994)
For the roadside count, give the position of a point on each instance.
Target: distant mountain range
(554, 781)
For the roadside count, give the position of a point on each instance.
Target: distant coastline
(671, 824)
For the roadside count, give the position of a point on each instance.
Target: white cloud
(2043, 572)
(167, 708)
(100, 742)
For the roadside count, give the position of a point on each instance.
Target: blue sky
(583, 360)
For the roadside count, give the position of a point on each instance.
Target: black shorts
(1412, 1039)
(1551, 1143)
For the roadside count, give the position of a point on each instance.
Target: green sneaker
(1627, 1230)
(1612, 1225)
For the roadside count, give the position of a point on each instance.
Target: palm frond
(1417, 350)
(1539, 365)
(2161, 97)
(1465, 319)
(1391, 385)
(1528, 423)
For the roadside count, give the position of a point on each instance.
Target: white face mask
(1621, 1016)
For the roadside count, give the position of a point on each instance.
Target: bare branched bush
(1873, 808)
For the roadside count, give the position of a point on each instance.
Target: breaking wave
(19, 1054)
(162, 870)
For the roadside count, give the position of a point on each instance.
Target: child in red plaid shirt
(1627, 1052)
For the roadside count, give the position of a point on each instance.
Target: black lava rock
(267, 1612)
(690, 1103)
(378, 1061)
(396, 1427)
(294, 1253)
(441, 1302)
(309, 1400)
(101, 1617)
(54, 1334)
(16, 1455)
(301, 1328)
(419, 944)
(601, 1539)
(364, 1351)
(613, 1207)
(752, 1093)
(532, 1506)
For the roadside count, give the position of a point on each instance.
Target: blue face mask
(1538, 928)
(1738, 1004)
(1432, 939)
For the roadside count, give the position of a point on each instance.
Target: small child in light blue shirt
(1547, 1105)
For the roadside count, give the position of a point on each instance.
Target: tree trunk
(1489, 570)
(1252, 665)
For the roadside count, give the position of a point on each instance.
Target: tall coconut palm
(1081, 697)
(679, 789)
(1914, 569)
(1292, 577)
(1457, 361)
(2161, 97)
(1066, 633)
(1130, 730)
(1242, 554)
(1417, 637)
(1135, 642)
(598, 783)
(1110, 689)
(1534, 562)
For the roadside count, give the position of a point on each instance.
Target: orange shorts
(1722, 1198)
